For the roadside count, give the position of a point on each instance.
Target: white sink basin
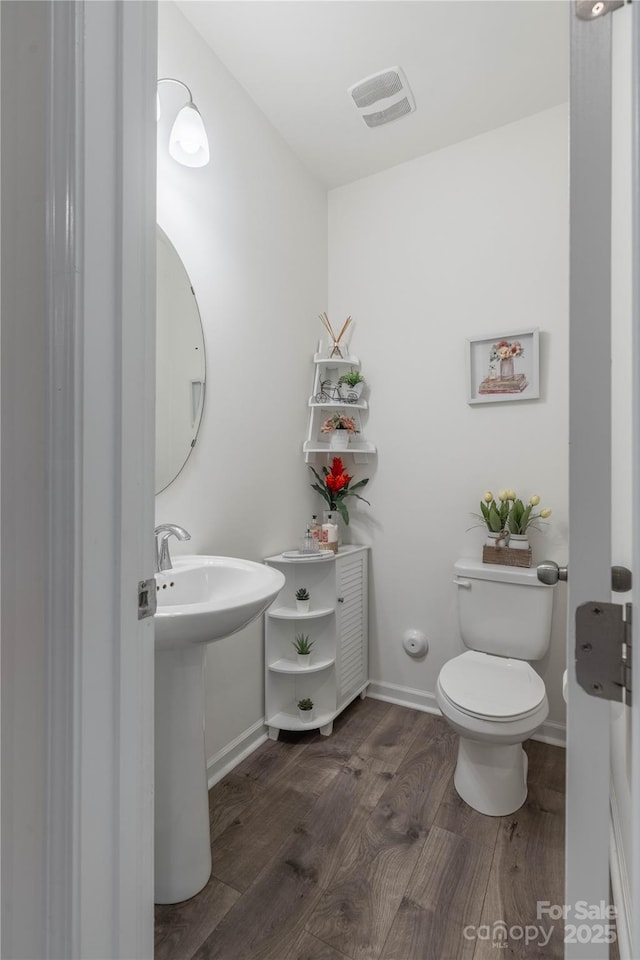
(207, 598)
(200, 600)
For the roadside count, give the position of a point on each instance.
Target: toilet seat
(488, 687)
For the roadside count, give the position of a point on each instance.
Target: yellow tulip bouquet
(508, 512)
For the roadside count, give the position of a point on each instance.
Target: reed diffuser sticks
(336, 348)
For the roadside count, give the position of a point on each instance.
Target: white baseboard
(549, 732)
(234, 752)
(620, 881)
(250, 739)
(553, 733)
(403, 696)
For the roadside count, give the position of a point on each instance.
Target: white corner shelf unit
(337, 622)
(324, 401)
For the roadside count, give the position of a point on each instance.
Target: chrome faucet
(162, 534)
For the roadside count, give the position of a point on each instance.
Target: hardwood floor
(357, 846)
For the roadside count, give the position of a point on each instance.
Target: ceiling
(473, 65)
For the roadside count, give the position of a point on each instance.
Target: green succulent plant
(305, 704)
(351, 378)
(302, 644)
(302, 593)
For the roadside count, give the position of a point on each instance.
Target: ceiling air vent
(383, 97)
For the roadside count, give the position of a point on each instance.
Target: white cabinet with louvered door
(336, 622)
(352, 653)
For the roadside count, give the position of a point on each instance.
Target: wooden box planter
(506, 557)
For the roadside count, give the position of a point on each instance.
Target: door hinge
(147, 598)
(603, 650)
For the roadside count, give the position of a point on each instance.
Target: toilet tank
(503, 610)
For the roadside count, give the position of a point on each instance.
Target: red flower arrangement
(334, 487)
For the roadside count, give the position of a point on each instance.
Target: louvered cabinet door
(352, 624)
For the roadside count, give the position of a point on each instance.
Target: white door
(600, 416)
(78, 366)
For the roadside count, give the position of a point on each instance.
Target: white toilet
(490, 695)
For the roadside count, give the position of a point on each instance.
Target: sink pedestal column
(182, 839)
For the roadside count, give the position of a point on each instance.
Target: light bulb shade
(188, 143)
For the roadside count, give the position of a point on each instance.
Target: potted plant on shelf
(305, 709)
(351, 384)
(302, 600)
(334, 486)
(302, 646)
(340, 428)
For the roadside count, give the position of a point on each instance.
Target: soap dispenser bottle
(316, 528)
(330, 533)
(308, 544)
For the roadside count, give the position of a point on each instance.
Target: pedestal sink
(201, 600)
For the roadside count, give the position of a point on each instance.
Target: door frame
(635, 454)
(635, 319)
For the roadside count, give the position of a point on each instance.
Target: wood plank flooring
(357, 846)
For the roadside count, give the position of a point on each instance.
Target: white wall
(251, 229)
(469, 241)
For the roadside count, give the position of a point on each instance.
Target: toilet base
(490, 777)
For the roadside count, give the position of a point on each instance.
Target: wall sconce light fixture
(188, 142)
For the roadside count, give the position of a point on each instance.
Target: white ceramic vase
(519, 541)
(304, 659)
(302, 606)
(351, 394)
(339, 440)
(305, 715)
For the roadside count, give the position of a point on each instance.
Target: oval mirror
(180, 364)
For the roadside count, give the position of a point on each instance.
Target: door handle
(549, 572)
(620, 579)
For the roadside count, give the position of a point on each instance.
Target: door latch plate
(147, 598)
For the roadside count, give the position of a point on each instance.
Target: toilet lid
(484, 685)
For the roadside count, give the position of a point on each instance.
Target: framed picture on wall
(503, 367)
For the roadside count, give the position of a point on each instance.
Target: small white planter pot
(496, 539)
(519, 541)
(302, 606)
(305, 715)
(339, 440)
(304, 659)
(351, 394)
